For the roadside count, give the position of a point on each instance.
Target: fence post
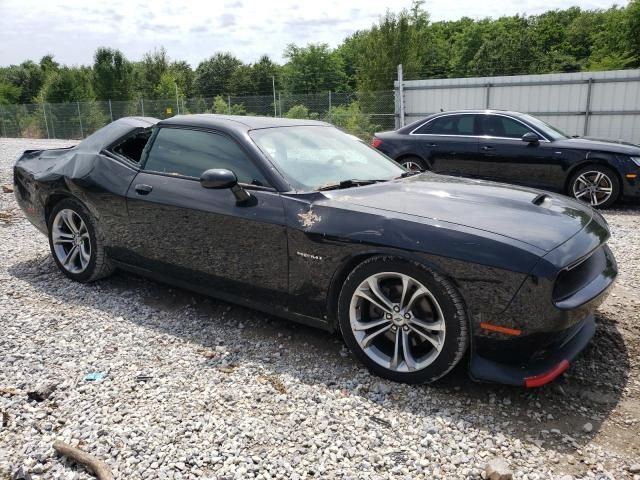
(587, 110)
(229, 103)
(46, 124)
(142, 105)
(177, 100)
(275, 107)
(4, 129)
(487, 96)
(401, 95)
(110, 110)
(80, 119)
(53, 126)
(329, 101)
(280, 103)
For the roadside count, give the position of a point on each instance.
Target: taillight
(376, 142)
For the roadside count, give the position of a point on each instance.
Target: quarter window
(499, 126)
(185, 152)
(449, 125)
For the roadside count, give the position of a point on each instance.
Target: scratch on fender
(309, 219)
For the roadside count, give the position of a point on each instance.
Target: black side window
(449, 125)
(133, 145)
(498, 126)
(191, 152)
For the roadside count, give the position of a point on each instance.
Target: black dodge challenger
(517, 148)
(295, 218)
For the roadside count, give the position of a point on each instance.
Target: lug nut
(407, 316)
(405, 328)
(394, 328)
(396, 308)
(389, 316)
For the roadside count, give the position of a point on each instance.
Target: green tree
(312, 69)
(112, 75)
(149, 71)
(9, 93)
(213, 76)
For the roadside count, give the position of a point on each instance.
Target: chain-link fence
(360, 114)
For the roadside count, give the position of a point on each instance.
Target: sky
(193, 30)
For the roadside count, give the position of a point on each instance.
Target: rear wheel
(75, 242)
(596, 185)
(402, 320)
(413, 164)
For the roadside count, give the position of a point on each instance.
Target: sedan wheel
(402, 320)
(71, 243)
(596, 186)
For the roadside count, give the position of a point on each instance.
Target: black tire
(413, 163)
(98, 265)
(456, 337)
(610, 179)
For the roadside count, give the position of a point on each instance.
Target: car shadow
(553, 416)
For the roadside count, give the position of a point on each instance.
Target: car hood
(612, 146)
(501, 209)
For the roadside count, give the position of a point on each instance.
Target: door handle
(432, 144)
(143, 189)
(487, 148)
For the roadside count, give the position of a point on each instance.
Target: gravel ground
(197, 388)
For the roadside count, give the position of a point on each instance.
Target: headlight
(635, 160)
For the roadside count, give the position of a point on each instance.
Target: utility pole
(110, 110)
(275, 107)
(142, 105)
(401, 95)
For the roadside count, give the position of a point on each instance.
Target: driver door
(202, 236)
(505, 157)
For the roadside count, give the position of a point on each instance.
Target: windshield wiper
(348, 184)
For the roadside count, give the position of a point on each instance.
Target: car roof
(414, 124)
(236, 122)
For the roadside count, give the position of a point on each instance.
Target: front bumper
(538, 371)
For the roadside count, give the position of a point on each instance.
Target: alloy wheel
(397, 322)
(71, 242)
(593, 187)
(412, 166)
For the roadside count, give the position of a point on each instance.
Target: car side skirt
(269, 309)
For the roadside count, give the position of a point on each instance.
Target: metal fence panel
(596, 104)
(361, 113)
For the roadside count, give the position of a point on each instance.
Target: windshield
(311, 157)
(549, 131)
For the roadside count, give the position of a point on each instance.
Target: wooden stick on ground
(97, 467)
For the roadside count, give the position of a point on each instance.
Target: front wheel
(402, 320)
(596, 185)
(76, 246)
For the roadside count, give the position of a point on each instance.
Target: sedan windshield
(317, 157)
(549, 131)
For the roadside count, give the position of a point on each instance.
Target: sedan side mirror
(530, 137)
(219, 178)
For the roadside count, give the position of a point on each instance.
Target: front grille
(575, 277)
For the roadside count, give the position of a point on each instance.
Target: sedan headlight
(635, 160)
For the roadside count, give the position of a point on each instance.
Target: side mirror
(530, 137)
(219, 178)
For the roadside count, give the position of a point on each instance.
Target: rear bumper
(538, 371)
